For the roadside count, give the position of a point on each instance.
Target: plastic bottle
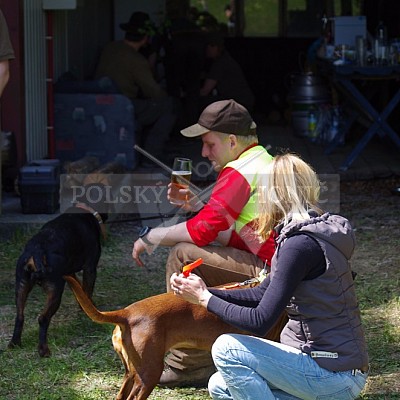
(381, 43)
(334, 131)
(312, 124)
(381, 33)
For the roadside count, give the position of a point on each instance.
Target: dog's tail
(108, 317)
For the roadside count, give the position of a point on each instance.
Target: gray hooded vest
(324, 318)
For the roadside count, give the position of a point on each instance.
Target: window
(279, 18)
(304, 18)
(261, 18)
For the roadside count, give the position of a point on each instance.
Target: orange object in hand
(187, 269)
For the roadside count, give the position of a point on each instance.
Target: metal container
(307, 91)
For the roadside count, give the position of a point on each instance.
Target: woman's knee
(217, 387)
(220, 349)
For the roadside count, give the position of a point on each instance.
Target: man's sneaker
(173, 377)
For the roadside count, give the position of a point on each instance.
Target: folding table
(344, 77)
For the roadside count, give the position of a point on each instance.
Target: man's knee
(178, 256)
(167, 105)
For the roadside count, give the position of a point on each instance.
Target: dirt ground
(373, 210)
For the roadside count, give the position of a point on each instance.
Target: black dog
(67, 244)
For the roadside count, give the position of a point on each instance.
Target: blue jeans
(258, 369)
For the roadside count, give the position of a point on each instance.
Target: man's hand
(138, 248)
(193, 203)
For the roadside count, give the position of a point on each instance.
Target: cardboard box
(346, 29)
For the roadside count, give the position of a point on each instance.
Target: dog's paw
(14, 343)
(44, 350)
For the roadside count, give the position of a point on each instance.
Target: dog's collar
(85, 207)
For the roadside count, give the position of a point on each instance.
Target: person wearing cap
(123, 62)
(224, 78)
(222, 232)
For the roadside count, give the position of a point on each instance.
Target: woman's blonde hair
(289, 189)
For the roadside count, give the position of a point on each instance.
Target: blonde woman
(322, 354)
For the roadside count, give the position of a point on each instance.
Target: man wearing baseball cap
(123, 62)
(222, 233)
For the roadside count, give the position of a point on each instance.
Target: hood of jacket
(328, 227)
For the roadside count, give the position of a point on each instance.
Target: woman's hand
(192, 289)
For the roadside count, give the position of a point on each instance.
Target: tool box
(39, 187)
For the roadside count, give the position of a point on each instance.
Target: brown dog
(147, 329)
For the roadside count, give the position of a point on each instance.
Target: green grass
(84, 365)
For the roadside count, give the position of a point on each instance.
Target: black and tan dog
(147, 329)
(67, 244)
